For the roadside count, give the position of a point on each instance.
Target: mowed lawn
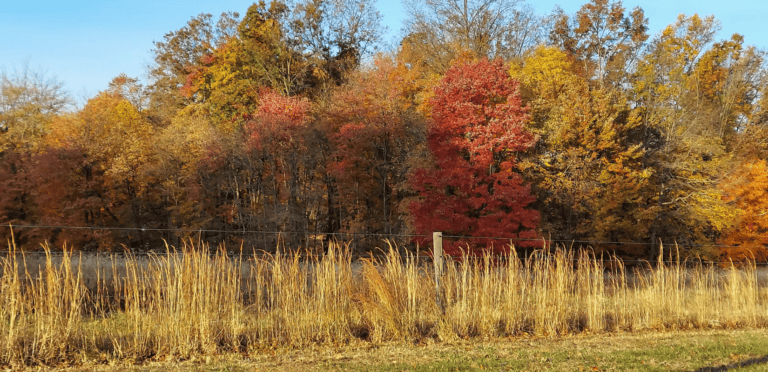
(732, 350)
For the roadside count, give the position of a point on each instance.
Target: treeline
(487, 120)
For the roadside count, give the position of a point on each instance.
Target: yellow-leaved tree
(693, 95)
(587, 170)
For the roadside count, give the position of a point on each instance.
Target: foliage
(336, 34)
(441, 31)
(602, 38)
(113, 139)
(587, 170)
(691, 122)
(374, 131)
(228, 79)
(748, 239)
(28, 102)
(180, 51)
(283, 126)
(476, 131)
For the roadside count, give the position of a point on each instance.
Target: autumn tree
(276, 139)
(587, 170)
(732, 82)
(335, 35)
(177, 54)
(752, 139)
(374, 131)
(267, 50)
(29, 100)
(130, 89)
(473, 187)
(16, 195)
(292, 48)
(180, 148)
(440, 31)
(228, 78)
(63, 185)
(264, 179)
(52, 187)
(747, 239)
(604, 40)
(692, 96)
(115, 140)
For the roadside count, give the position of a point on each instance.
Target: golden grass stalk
(193, 302)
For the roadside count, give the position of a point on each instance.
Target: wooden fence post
(437, 255)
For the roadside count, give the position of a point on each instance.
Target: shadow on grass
(746, 363)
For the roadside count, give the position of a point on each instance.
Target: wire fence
(345, 236)
(228, 231)
(352, 234)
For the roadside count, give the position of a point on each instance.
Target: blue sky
(85, 43)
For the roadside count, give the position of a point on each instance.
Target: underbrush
(188, 302)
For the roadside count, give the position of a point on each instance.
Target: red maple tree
(473, 188)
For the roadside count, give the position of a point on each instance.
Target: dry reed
(190, 302)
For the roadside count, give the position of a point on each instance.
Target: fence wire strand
(377, 235)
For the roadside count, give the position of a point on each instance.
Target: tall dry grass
(189, 302)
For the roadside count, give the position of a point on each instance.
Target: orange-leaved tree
(276, 139)
(473, 188)
(749, 238)
(373, 131)
(110, 174)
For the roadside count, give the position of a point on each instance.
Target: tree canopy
(291, 125)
